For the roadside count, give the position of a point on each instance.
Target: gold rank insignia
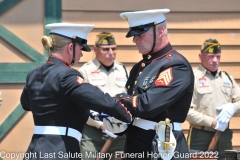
(164, 78)
(125, 17)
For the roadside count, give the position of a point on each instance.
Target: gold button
(146, 86)
(143, 64)
(140, 73)
(135, 82)
(128, 87)
(133, 92)
(149, 56)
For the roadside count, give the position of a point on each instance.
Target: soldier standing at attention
(216, 98)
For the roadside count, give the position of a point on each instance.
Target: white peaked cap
(70, 30)
(138, 18)
(141, 21)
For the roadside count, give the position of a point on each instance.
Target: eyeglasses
(108, 49)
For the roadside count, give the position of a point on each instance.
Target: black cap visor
(135, 31)
(86, 48)
(82, 42)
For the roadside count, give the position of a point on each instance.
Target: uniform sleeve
(158, 96)
(24, 99)
(236, 97)
(91, 97)
(195, 117)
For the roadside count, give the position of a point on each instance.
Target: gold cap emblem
(125, 17)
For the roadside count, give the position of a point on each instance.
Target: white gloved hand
(221, 126)
(93, 113)
(109, 133)
(227, 111)
(114, 125)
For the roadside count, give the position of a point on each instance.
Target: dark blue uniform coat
(160, 86)
(56, 95)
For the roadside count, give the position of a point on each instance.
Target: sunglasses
(108, 49)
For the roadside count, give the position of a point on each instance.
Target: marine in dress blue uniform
(58, 97)
(160, 86)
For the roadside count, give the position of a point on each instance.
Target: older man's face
(210, 61)
(106, 54)
(144, 42)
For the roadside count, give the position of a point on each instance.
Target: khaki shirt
(209, 93)
(112, 81)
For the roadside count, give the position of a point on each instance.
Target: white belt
(55, 130)
(150, 125)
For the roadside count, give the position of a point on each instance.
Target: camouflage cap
(105, 38)
(211, 46)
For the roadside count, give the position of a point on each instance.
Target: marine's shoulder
(174, 58)
(64, 70)
(177, 57)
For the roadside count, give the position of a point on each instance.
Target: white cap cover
(78, 32)
(138, 19)
(70, 30)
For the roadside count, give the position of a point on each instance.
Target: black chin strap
(154, 37)
(73, 59)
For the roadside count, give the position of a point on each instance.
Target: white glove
(221, 126)
(227, 111)
(109, 133)
(93, 113)
(114, 125)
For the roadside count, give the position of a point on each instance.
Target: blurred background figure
(1, 99)
(215, 99)
(110, 76)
